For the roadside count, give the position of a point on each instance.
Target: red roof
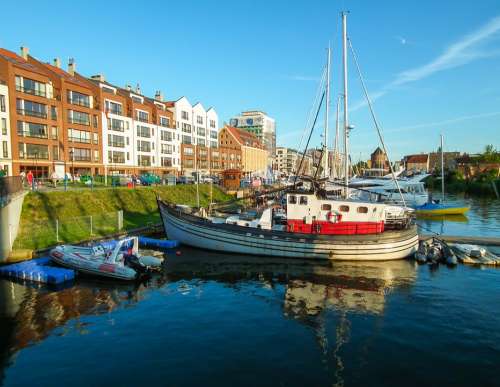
(245, 138)
(19, 61)
(417, 159)
(67, 76)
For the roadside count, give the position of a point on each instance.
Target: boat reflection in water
(304, 289)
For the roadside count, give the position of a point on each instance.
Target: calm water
(483, 218)
(221, 320)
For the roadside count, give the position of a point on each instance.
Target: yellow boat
(430, 209)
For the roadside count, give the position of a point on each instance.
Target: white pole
(335, 150)
(346, 119)
(442, 171)
(326, 171)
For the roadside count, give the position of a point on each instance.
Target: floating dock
(473, 240)
(37, 270)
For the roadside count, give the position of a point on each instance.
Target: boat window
(303, 200)
(292, 199)
(326, 207)
(362, 210)
(344, 208)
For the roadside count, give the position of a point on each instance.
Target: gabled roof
(20, 62)
(244, 138)
(378, 151)
(198, 104)
(417, 159)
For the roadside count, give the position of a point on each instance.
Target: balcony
(34, 134)
(118, 112)
(81, 158)
(80, 121)
(146, 149)
(31, 113)
(79, 139)
(78, 102)
(117, 144)
(31, 91)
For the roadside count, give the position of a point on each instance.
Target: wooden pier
(473, 240)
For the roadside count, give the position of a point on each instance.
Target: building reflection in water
(30, 314)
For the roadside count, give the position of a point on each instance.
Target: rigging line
(375, 121)
(310, 134)
(310, 115)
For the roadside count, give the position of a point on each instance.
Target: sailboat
(436, 207)
(311, 225)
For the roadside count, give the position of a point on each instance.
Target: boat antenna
(375, 121)
(326, 168)
(310, 134)
(346, 115)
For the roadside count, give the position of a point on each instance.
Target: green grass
(72, 211)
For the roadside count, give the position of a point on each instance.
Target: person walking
(29, 178)
(54, 178)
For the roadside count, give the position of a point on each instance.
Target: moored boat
(120, 262)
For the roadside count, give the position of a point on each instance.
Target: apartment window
(53, 113)
(201, 141)
(4, 126)
(188, 163)
(2, 103)
(5, 149)
(200, 131)
(142, 116)
(164, 121)
(55, 153)
(113, 107)
(95, 138)
(136, 99)
(30, 86)
(143, 146)
(116, 141)
(81, 136)
(188, 151)
(116, 157)
(94, 121)
(203, 152)
(166, 149)
(116, 125)
(96, 155)
(108, 90)
(186, 139)
(166, 161)
(81, 154)
(54, 132)
(165, 136)
(30, 108)
(31, 129)
(213, 144)
(184, 115)
(199, 120)
(143, 131)
(77, 98)
(213, 134)
(212, 123)
(33, 151)
(76, 117)
(186, 128)
(144, 161)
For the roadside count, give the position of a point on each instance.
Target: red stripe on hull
(340, 228)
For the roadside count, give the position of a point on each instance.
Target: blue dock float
(144, 242)
(37, 270)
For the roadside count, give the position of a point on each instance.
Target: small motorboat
(475, 255)
(123, 261)
(436, 208)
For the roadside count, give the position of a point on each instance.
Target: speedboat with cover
(122, 261)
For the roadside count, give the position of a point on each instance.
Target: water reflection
(306, 291)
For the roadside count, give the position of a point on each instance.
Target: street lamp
(72, 156)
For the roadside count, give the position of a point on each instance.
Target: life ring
(333, 217)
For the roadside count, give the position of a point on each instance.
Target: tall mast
(442, 171)
(336, 146)
(346, 119)
(326, 170)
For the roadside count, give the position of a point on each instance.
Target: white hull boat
(200, 232)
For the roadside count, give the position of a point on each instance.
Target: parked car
(185, 180)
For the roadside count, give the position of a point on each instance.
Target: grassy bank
(53, 217)
(454, 183)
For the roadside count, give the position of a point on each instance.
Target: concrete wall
(10, 215)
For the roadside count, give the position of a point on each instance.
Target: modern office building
(286, 160)
(261, 125)
(5, 150)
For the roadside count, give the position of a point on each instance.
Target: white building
(196, 125)
(260, 124)
(286, 160)
(5, 144)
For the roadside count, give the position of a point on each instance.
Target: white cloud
(460, 53)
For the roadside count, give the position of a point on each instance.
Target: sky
(430, 67)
